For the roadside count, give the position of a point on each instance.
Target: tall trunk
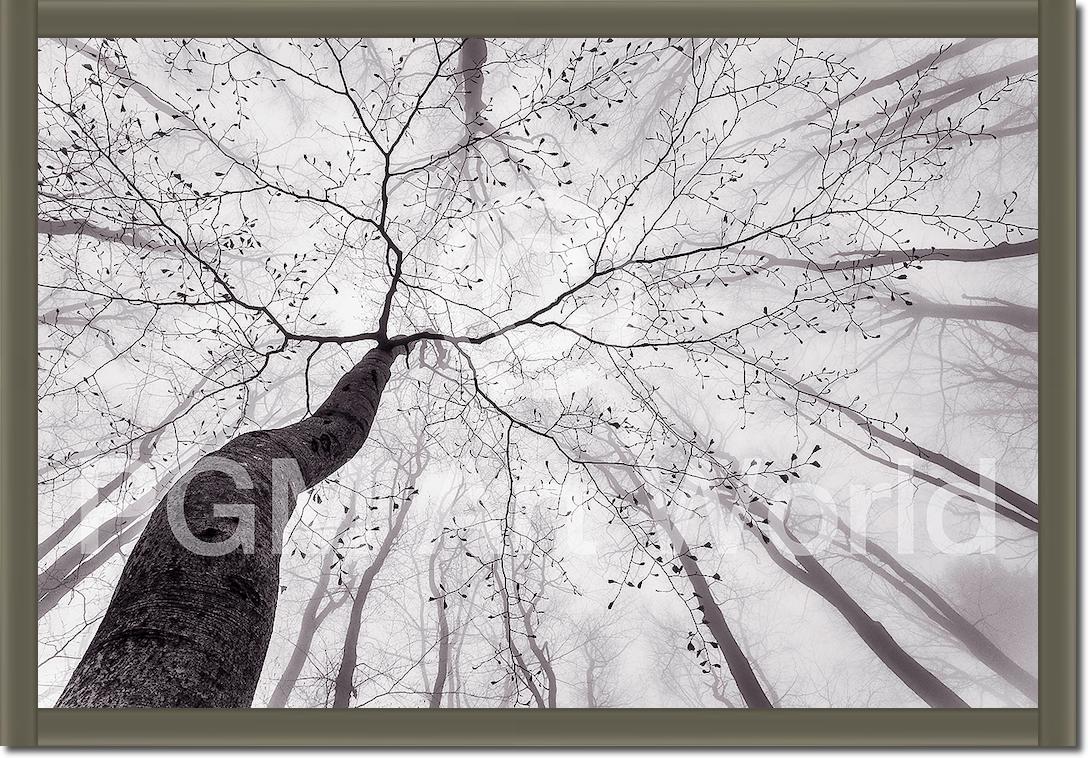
(918, 591)
(64, 574)
(812, 574)
(472, 58)
(344, 685)
(192, 630)
(591, 683)
(739, 665)
(76, 518)
(520, 668)
(69, 568)
(992, 504)
(877, 430)
(456, 691)
(438, 593)
(541, 653)
(736, 659)
(312, 617)
(922, 594)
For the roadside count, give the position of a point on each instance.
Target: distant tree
(539, 260)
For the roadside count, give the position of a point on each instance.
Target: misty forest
(546, 373)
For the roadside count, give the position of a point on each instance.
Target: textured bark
(344, 686)
(69, 568)
(188, 630)
(812, 574)
(57, 575)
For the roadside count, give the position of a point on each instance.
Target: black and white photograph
(494, 373)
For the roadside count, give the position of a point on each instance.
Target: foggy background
(477, 534)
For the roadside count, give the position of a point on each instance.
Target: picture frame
(1052, 724)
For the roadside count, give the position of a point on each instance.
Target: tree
(541, 266)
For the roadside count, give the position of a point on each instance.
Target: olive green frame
(1053, 724)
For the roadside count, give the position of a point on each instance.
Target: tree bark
(69, 568)
(189, 630)
(61, 578)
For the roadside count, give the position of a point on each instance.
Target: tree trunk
(541, 653)
(739, 665)
(439, 595)
(992, 504)
(736, 659)
(918, 591)
(144, 453)
(812, 574)
(591, 684)
(189, 630)
(520, 668)
(472, 58)
(61, 579)
(344, 686)
(740, 668)
(312, 617)
(69, 568)
(1022, 317)
(876, 430)
(100, 496)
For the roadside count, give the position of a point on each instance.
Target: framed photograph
(538, 374)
